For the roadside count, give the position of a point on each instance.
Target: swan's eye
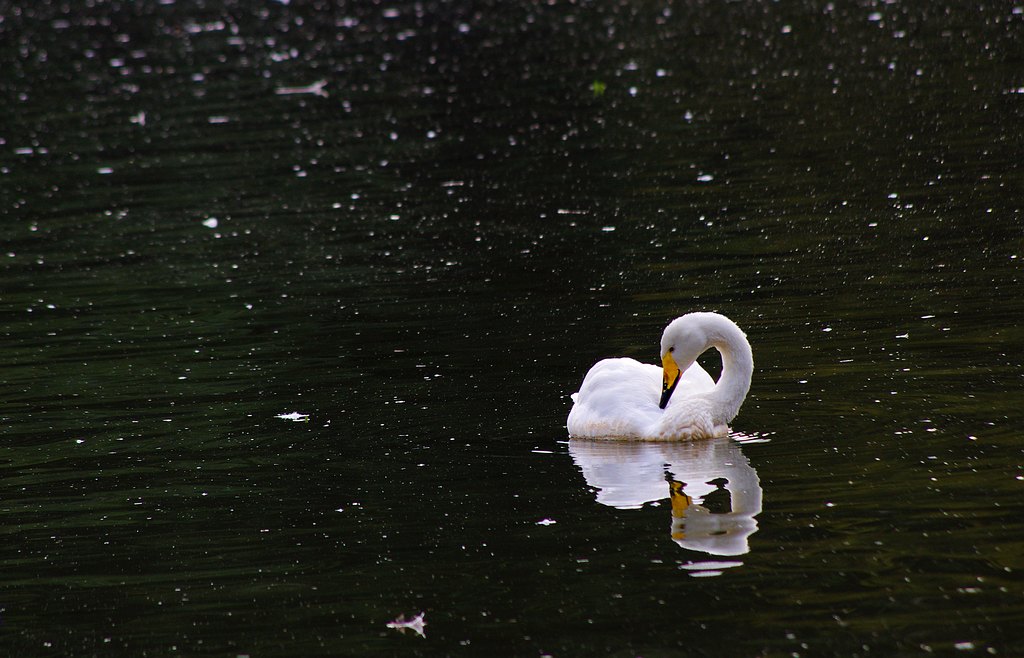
(672, 349)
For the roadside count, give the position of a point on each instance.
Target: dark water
(416, 225)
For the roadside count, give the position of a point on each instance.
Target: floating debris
(317, 89)
(294, 416)
(416, 624)
(547, 522)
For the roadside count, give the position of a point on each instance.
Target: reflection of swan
(714, 490)
(619, 397)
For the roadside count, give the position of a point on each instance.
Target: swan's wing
(623, 379)
(619, 397)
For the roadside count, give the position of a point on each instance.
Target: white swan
(619, 398)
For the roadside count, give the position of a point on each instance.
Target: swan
(621, 398)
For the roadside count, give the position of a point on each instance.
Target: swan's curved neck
(737, 368)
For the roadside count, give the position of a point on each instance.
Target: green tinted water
(424, 262)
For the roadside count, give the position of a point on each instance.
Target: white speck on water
(212, 222)
(711, 564)
(964, 646)
(547, 522)
(607, 229)
(705, 178)
(105, 171)
(294, 416)
(709, 568)
(318, 88)
(415, 624)
(902, 336)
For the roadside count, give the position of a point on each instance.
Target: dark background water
(426, 256)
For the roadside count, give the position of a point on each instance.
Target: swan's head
(683, 341)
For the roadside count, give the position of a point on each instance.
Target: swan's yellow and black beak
(669, 378)
(677, 495)
(680, 503)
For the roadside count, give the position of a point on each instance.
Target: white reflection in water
(714, 491)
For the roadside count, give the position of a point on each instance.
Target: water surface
(416, 225)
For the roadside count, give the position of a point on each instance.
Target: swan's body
(619, 398)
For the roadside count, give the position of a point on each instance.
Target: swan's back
(613, 398)
(619, 398)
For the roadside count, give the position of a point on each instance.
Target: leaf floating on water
(416, 624)
(317, 89)
(294, 416)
